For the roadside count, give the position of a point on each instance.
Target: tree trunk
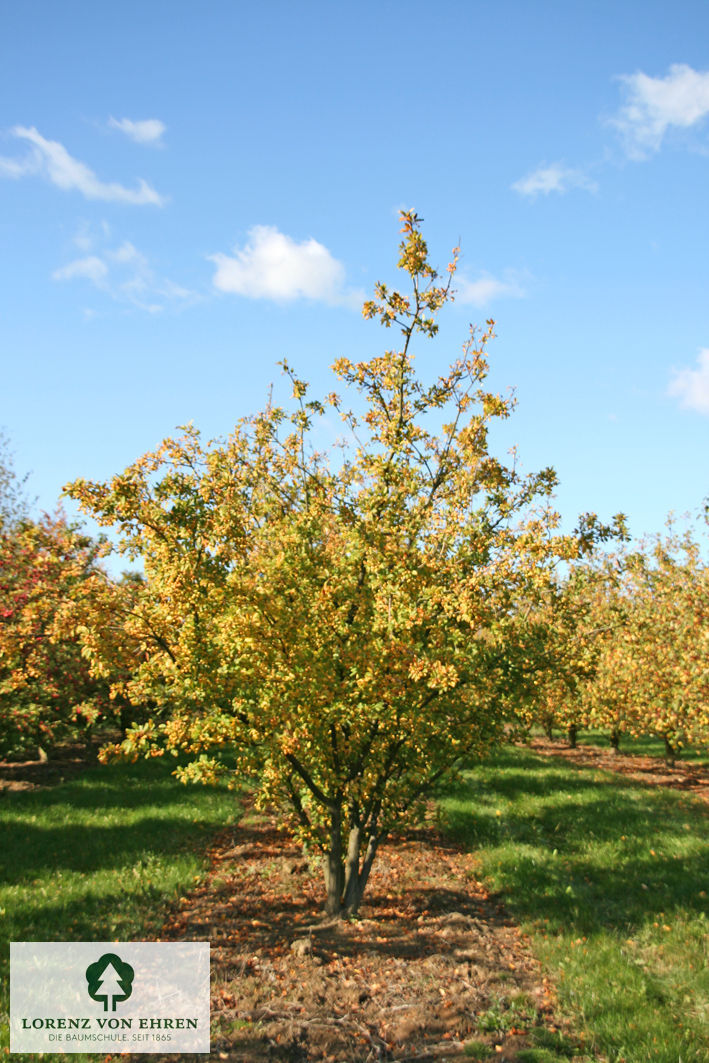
(357, 877)
(573, 735)
(615, 740)
(334, 871)
(345, 877)
(670, 752)
(352, 896)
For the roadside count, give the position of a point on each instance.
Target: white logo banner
(111, 996)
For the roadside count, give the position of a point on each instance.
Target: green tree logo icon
(110, 980)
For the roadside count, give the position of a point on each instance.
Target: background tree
(47, 691)
(653, 670)
(346, 628)
(578, 621)
(14, 503)
(609, 694)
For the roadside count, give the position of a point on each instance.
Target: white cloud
(486, 289)
(124, 274)
(50, 159)
(92, 268)
(691, 386)
(654, 105)
(553, 178)
(89, 234)
(128, 253)
(83, 239)
(19, 167)
(147, 131)
(272, 265)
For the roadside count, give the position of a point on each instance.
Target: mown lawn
(644, 745)
(100, 857)
(610, 879)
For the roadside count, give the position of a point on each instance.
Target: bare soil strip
(65, 763)
(652, 771)
(432, 963)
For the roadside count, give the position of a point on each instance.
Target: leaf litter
(648, 770)
(432, 970)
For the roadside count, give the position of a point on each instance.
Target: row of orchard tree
(51, 585)
(628, 642)
(621, 643)
(344, 628)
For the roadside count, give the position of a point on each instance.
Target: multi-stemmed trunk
(347, 872)
(671, 751)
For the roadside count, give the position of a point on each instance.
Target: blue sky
(192, 192)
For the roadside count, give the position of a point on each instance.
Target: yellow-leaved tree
(343, 628)
(652, 674)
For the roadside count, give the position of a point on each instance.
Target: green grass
(101, 857)
(610, 879)
(478, 1050)
(643, 745)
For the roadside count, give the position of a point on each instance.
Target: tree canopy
(14, 503)
(48, 694)
(343, 627)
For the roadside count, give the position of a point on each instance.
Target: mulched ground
(433, 966)
(649, 770)
(64, 763)
(432, 963)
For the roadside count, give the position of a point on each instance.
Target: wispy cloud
(146, 131)
(655, 105)
(691, 386)
(554, 177)
(51, 160)
(487, 289)
(91, 268)
(273, 266)
(123, 273)
(16, 167)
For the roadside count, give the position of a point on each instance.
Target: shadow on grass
(579, 849)
(95, 915)
(94, 847)
(646, 746)
(104, 820)
(112, 786)
(97, 855)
